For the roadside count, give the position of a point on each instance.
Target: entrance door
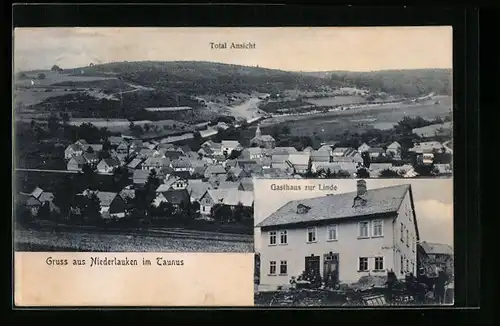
(312, 265)
(331, 269)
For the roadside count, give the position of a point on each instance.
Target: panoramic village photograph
(125, 142)
(354, 242)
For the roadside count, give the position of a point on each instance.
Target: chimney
(361, 186)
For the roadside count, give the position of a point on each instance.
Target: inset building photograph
(353, 242)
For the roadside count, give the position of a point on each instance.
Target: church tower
(258, 133)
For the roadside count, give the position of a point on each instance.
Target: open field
(122, 125)
(52, 77)
(331, 124)
(173, 240)
(337, 100)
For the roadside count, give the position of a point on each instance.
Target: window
(283, 267)
(379, 263)
(377, 230)
(283, 237)
(311, 235)
(272, 238)
(203, 208)
(402, 232)
(363, 229)
(402, 267)
(407, 265)
(363, 264)
(407, 238)
(332, 232)
(272, 268)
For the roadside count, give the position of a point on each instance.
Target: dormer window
(359, 202)
(302, 209)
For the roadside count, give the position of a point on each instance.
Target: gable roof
(197, 188)
(95, 147)
(37, 192)
(46, 196)
(75, 147)
(90, 156)
(231, 197)
(79, 159)
(378, 201)
(106, 198)
(110, 161)
(215, 169)
(299, 158)
(436, 248)
(394, 144)
(176, 196)
(230, 143)
(134, 163)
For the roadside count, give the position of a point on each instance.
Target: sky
(433, 199)
(285, 48)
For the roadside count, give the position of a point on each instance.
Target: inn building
(350, 235)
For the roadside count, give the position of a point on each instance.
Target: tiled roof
(197, 188)
(46, 196)
(134, 163)
(231, 197)
(436, 248)
(80, 160)
(176, 197)
(394, 145)
(37, 192)
(378, 201)
(106, 197)
(215, 169)
(111, 161)
(299, 158)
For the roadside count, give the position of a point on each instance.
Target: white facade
(380, 243)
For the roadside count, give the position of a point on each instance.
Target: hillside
(192, 77)
(407, 83)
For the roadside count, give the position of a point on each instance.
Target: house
(323, 167)
(366, 232)
(209, 132)
(177, 198)
(252, 153)
(300, 162)
(344, 152)
(211, 148)
(112, 205)
(326, 148)
(172, 183)
(182, 165)
(115, 141)
(246, 184)
(91, 158)
(107, 165)
(155, 163)
(320, 156)
(363, 148)
(228, 185)
(222, 126)
(135, 164)
(122, 148)
(266, 141)
(73, 150)
(376, 152)
(308, 149)
(440, 256)
(228, 146)
(427, 147)
(140, 176)
(281, 151)
(377, 168)
(444, 169)
(394, 149)
(196, 189)
(92, 148)
(216, 179)
(76, 163)
(81, 142)
(229, 197)
(214, 170)
(144, 153)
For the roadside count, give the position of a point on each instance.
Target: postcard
(136, 150)
(345, 242)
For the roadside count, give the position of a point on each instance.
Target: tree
(234, 155)
(53, 123)
(55, 68)
(41, 75)
(366, 159)
(363, 173)
(64, 195)
(44, 212)
(89, 176)
(343, 174)
(388, 173)
(92, 208)
(238, 212)
(221, 213)
(106, 145)
(121, 177)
